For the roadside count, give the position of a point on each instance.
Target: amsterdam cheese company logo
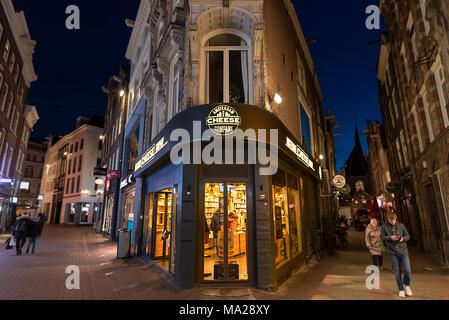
(223, 120)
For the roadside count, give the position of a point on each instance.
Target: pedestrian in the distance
(20, 231)
(32, 234)
(373, 242)
(395, 235)
(41, 221)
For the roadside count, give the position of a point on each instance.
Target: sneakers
(408, 291)
(402, 294)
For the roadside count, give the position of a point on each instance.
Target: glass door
(162, 228)
(225, 232)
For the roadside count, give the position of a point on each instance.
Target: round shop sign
(339, 181)
(223, 120)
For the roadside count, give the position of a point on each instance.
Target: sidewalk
(42, 275)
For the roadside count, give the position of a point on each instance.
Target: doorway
(163, 252)
(225, 232)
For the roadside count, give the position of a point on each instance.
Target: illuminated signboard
(40, 197)
(223, 120)
(24, 185)
(5, 180)
(300, 153)
(147, 157)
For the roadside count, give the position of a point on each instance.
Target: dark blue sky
(73, 65)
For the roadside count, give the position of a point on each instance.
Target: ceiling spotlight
(122, 93)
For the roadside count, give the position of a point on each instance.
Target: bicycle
(317, 245)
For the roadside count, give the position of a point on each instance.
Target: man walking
(20, 231)
(395, 236)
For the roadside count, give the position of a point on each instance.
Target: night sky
(73, 65)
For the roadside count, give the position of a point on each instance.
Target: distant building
(30, 184)
(68, 183)
(379, 169)
(356, 167)
(112, 153)
(17, 118)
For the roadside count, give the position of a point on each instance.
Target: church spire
(358, 145)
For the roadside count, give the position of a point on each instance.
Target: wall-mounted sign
(126, 182)
(150, 154)
(6, 180)
(113, 174)
(300, 153)
(24, 185)
(223, 120)
(99, 182)
(100, 171)
(14, 199)
(40, 197)
(339, 181)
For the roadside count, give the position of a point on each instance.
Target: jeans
(377, 260)
(20, 241)
(31, 241)
(397, 260)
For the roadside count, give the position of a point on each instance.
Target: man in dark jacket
(41, 222)
(395, 236)
(32, 234)
(20, 231)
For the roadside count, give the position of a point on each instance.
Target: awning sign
(300, 153)
(147, 157)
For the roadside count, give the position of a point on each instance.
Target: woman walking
(373, 242)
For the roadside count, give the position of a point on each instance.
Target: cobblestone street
(42, 275)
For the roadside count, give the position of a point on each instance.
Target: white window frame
(173, 102)
(418, 130)
(204, 66)
(423, 5)
(426, 107)
(4, 90)
(439, 84)
(441, 185)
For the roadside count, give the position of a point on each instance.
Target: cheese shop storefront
(215, 212)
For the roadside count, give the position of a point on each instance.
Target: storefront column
(138, 218)
(186, 253)
(264, 265)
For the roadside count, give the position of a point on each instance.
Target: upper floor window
(174, 90)
(4, 95)
(6, 51)
(1, 31)
(16, 73)
(76, 146)
(306, 128)
(12, 62)
(227, 75)
(82, 144)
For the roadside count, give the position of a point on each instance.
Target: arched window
(227, 69)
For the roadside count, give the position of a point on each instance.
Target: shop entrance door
(225, 232)
(162, 228)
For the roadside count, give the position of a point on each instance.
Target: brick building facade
(17, 118)
(413, 77)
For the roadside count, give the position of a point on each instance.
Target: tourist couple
(26, 227)
(393, 235)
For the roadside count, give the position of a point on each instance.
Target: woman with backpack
(20, 231)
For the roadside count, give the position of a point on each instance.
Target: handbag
(383, 248)
(10, 243)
